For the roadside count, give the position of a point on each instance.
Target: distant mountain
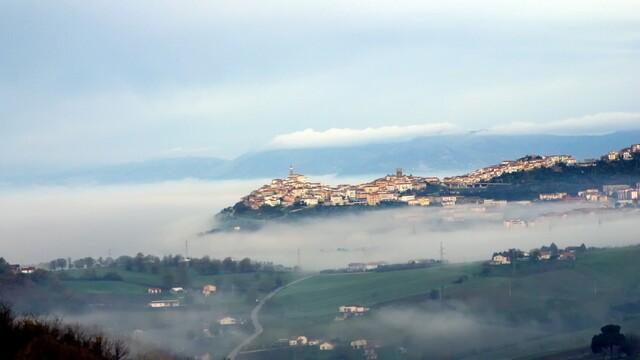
(454, 154)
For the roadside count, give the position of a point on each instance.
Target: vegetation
(31, 337)
(564, 300)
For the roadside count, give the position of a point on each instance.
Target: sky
(118, 81)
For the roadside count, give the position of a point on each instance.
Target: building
(228, 320)
(208, 289)
(353, 309)
(500, 259)
(327, 346)
(164, 304)
(553, 196)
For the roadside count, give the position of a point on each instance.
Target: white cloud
(595, 124)
(336, 137)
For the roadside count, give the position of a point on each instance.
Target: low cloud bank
(593, 124)
(42, 224)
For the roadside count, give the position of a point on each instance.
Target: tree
(245, 265)
(139, 263)
(61, 263)
(553, 248)
(229, 265)
(609, 338)
(5, 267)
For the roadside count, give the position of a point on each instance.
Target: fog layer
(40, 224)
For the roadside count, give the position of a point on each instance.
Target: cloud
(336, 137)
(596, 124)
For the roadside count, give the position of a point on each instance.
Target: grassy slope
(581, 293)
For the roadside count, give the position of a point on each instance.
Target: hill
(468, 310)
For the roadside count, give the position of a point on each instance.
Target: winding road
(258, 329)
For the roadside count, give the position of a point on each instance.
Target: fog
(43, 223)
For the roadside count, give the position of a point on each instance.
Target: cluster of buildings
(527, 163)
(359, 267)
(516, 255)
(177, 292)
(369, 347)
(624, 154)
(620, 193)
(297, 189)
(350, 310)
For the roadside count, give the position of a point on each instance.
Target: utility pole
(441, 254)
(299, 267)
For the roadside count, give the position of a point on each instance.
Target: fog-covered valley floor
(43, 223)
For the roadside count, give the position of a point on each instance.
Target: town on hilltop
(296, 188)
(296, 191)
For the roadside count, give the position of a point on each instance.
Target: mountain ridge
(424, 155)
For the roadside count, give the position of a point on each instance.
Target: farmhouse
(164, 304)
(208, 289)
(228, 320)
(359, 344)
(298, 340)
(352, 309)
(27, 269)
(327, 346)
(500, 259)
(177, 290)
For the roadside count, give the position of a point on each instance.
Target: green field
(547, 307)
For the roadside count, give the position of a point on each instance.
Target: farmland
(501, 312)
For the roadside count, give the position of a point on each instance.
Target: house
(208, 289)
(357, 267)
(313, 342)
(154, 290)
(544, 255)
(228, 320)
(327, 346)
(566, 255)
(27, 270)
(177, 290)
(359, 344)
(500, 259)
(298, 340)
(164, 304)
(553, 196)
(352, 309)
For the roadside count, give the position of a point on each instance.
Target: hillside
(500, 312)
(524, 179)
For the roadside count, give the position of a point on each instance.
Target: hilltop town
(296, 192)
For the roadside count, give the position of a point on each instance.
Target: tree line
(155, 264)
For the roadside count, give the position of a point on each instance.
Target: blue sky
(116, 81)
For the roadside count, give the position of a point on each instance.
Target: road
(258, 329)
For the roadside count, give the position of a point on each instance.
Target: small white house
(500, 260)
(358, 309)
(327, 346)
(298, 340)
(359, 344)
(227, 321)
(164, 304)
